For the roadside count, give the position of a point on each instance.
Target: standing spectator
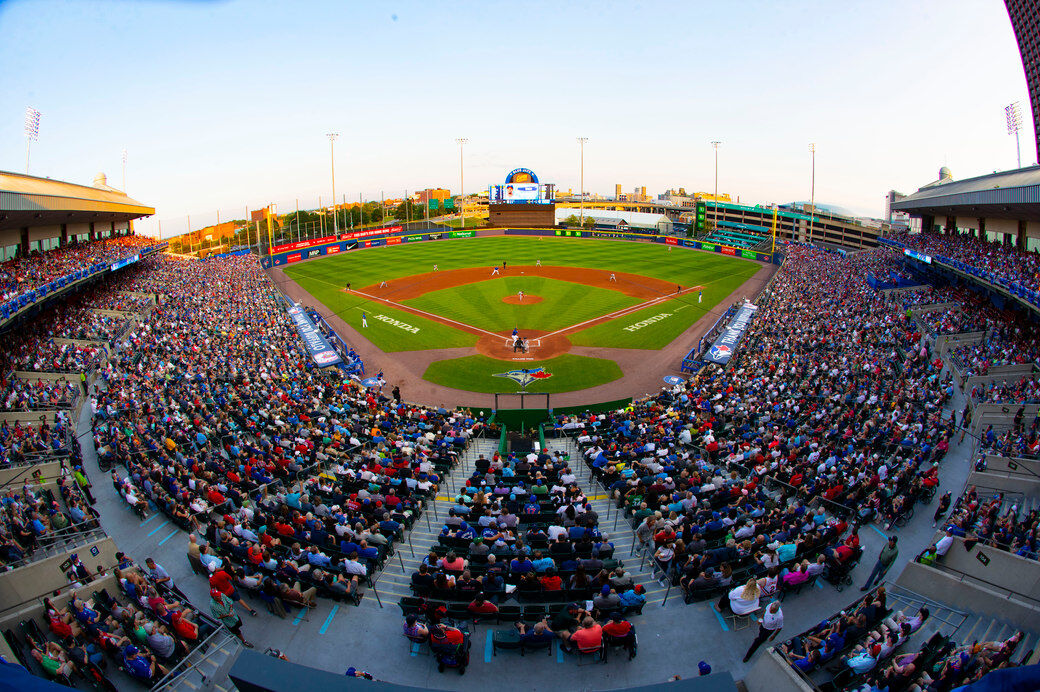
(84, 483)
(888, 556)
(772, 623)
(223, 609)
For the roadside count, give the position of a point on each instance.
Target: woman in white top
(743, 599)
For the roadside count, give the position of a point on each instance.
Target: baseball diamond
(608, 318)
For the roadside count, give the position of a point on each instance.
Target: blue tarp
(318, 347)
(722, 350)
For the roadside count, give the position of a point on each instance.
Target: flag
(32, 123)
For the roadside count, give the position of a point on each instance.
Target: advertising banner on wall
(317, 346)
(722, 350)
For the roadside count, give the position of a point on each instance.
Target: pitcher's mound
(528, 300)
(539, 348)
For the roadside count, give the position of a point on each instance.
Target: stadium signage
(370, 232)
(333, 249)
(707, 246)
(728, 250)
(643, 323)
(303, 244)
(321, 352)
(671, 241)
(394, 323)
(749, 254)
(463, 234)
(920, 256)
(722, 350)
(124, 262)
(393, 241)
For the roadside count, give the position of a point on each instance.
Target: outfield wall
(290, 253)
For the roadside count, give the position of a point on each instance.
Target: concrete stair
(208, 670)
(393, 583)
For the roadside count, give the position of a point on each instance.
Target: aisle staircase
(393, 583)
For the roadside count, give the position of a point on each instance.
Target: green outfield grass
(477, 373)
(659, 325)
(563, 303)
(480, 305)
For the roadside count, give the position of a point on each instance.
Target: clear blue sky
(223, 105)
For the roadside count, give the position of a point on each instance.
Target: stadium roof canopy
(1007, 195)
(27, 201)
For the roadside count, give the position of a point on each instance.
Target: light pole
(462, 185)
(812, 191)
(124, 170)
(32, 132)
(581, 181)
(715, 145)
(332, 160)
(1013, 112)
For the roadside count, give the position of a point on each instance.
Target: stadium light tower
(124, 172)
(1013, 113)
(332, 159)
(461, 141)
(812, 190)
(32, 132)
(715, 145)
(581, 180)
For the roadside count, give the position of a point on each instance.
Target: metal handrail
(174, 675)
(965, 576)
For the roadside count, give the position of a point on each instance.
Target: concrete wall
(44, 232)
(1000, 416)
(19, 474)
(35, 580)
(1005, 481)
(949, 588)
(771, 673)
(15, 612)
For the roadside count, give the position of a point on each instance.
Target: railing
(210, 647)
(964, 577)
(63, 544)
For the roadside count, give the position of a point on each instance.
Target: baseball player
(364, 320)
(382, 284)
(520, 296)
(699, 295)
(503, 265)
(435, 267)
(494, 270)
(538, 263)
(348, 285)
(613, 278)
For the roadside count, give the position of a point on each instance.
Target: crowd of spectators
(20, 275)
(869, 646)
(989, 518)
(18, 394)
(1005, 262)
(35, 514)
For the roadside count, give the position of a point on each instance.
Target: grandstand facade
(751, 227)
(999, 207)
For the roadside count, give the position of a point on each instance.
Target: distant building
(618, 194)
(1024, 14)
(438, 193)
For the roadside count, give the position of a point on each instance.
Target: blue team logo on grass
(525, 376)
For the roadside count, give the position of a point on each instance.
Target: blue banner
(319, 348)
(124, 262)
(722, 350)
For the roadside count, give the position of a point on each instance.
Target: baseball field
(564, 297)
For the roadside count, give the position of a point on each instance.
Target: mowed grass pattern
(325, 278)
(569, 372)
(563, 303)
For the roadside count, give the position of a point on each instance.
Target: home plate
(531, 343)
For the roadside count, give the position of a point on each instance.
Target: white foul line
(435, 318)
(623, 312)
(609, 316)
